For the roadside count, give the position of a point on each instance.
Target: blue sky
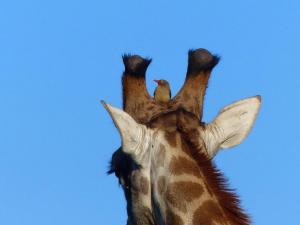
(59, 58)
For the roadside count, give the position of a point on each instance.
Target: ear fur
(232, 124)
(131, 132)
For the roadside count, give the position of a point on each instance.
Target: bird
(162, 93)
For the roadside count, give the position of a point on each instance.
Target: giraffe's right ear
(232, 125)
(132, 133)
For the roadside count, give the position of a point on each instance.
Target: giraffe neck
(187, 187)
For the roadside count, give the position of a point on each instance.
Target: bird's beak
(156, 81)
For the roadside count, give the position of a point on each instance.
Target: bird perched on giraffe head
(162, 93)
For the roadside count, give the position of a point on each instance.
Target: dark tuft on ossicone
(201, 60)
(135, 65)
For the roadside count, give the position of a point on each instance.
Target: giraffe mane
(227, 198)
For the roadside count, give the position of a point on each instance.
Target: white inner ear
(232, 124)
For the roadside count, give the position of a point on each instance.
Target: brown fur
(165, 121)
(191, 96)
(136, 98)
(150, 107)
(208, 213)
(144, 185)
(171, 121)
(144, 217)
(139, 183)
(173, 219)
(180, 165)
(171, 137)
(179, 194)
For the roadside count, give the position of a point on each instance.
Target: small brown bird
(162, 93)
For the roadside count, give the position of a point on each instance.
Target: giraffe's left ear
(131, 132)
(232, 125)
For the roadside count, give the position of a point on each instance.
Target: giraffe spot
(186, 96)
(169, 122)
(180, 165)
(161, 155)
(150, 108)
(207, 214)
(161, 185)
(141, 214)
(140, 107)
(139, 184)
(144, 185)
(172, 218)
(180, 193)
(171, 138)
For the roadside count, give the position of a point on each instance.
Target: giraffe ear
(232, 124)
(130, 131)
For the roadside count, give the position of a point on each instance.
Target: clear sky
(59, 58)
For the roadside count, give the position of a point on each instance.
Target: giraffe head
(164, 137)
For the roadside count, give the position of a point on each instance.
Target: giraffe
(138, 103)
(174, 179)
